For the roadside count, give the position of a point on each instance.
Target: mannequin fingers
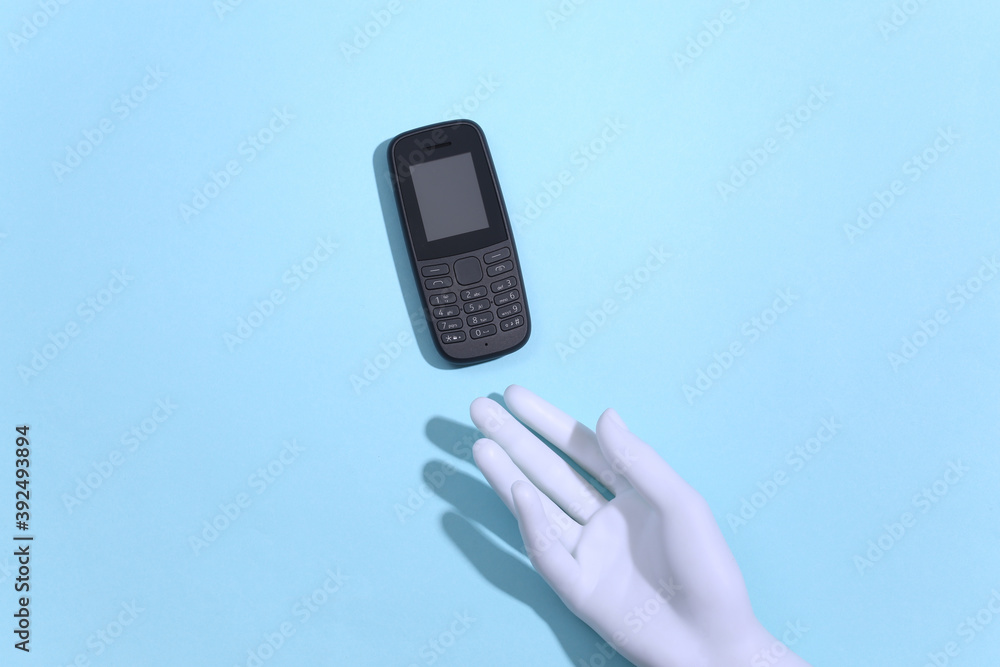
(641, 465)
(546, 470)
(556, 565)
(570, 436)
(502, 474)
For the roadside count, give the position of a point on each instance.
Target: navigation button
(468, 271)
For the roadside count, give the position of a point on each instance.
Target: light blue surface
(547, 90)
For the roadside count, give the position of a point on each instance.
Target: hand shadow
(476, 503)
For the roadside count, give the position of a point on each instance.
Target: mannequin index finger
(502, 474)
(543, 467)
(571, 437)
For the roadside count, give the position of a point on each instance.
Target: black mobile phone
(460, 242)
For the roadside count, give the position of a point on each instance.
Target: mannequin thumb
(637, 462)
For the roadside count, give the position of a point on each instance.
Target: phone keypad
(474, 293)
(505, 298)
(502, 285)
(481, 318)
(448, 311)
(508, 311)
(443, 299)
(477, 306)
(483, 331)
(484, 316)
(512, 323)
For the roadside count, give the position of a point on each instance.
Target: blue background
(544, 86)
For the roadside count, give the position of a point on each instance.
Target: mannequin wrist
(759, 648)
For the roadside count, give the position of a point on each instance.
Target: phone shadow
(401, 258)
(477, 511)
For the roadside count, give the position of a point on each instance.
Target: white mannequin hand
(649, 570)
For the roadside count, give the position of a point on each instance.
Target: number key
(483, 331)
(477, 306)
(446, 311)
(474, 293)
(504, 284)
(509, 311)
(443, 299)
(481, 318)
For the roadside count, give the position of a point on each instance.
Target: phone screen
(448, 196)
